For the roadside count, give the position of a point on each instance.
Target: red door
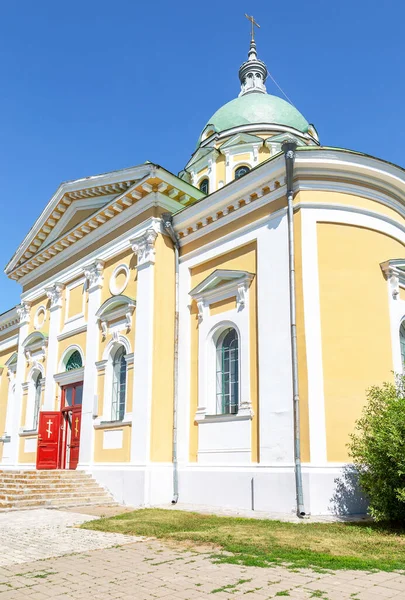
(72, 418)
(75, 437)
(48, 440)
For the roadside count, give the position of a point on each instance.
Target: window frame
(402, 343)
(203, 181)
(117, 405)
(238, 168)
(37, 400)
(231, 405)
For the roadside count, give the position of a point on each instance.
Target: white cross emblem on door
(49, 430)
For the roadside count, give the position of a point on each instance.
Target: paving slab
(43, 555)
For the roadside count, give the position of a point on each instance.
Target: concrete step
(8, 497)
(60, 504)
(20, 490)
(55, 487)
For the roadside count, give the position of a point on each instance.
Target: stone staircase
(22, 490)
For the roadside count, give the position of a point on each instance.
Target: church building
(208, 337)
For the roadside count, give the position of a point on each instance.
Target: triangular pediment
(77, 212)
(219, 279)
(241, 139)
(281, 137)
(202, 153)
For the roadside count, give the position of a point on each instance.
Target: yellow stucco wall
(26, 457)
(74, 300)
(301, 344)
(344, 199)
(243, 259)
(113, 455)
(402, 293)
(216, 308)
(4, 387)
(245, 156)
(128, 258)
(78, 339)
(355, 322)
(163, 352)
(42, 301)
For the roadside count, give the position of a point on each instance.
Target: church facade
(208, 338)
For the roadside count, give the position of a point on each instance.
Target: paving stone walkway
(145, 569)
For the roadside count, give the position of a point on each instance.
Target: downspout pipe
(167, 220)
(289, 148)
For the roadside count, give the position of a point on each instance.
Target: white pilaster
(274, 346)
(143, 246)
(54, 294)
(94, 280)
(8, 430)
(13, 445)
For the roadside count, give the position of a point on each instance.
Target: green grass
(264, 543)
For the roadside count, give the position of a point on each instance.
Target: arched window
(119, 385)
(241, 171)
(74, 361)
(204, 186)
(402, 342)
(227, 350)
(37, 404)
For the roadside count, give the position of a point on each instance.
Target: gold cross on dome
(253, 22)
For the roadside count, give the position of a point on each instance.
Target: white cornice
(9, 321)
(105, 252)
(37, 252)
(256, 128)
(152, 199)
(87, 183)
(362, 173)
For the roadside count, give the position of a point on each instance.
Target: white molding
(67, 333)
(73, 376)
(77, 206)
(71, 286)
(116, 291)
(107, 251)
(42, 309)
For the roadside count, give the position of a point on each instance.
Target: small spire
(253, 72)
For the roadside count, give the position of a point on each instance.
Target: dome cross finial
(253, 22)
(253, 72)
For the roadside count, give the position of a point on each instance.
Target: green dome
(257, 108)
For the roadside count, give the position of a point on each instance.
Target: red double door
(59, 431)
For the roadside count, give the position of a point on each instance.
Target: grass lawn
(264, 543)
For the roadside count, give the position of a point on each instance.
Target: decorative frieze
(144, 247)
(54, 294)
(94, 274)
(24, 312)
(393, 279)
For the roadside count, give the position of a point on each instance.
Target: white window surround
(122, 268)
(35, 346)
(106, 366)
(119, 308)
(220, 285)
(37, 323)
(394, 272)
(68, 377)
(67, 354)
(30, 386)
(11, 366)
(79, 316)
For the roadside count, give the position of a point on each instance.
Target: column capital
(144, 246)
(54, 294)
(93, 273)
(23, 312)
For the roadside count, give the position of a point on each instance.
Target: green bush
(378, 450)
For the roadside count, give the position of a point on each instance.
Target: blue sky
(92, 86)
